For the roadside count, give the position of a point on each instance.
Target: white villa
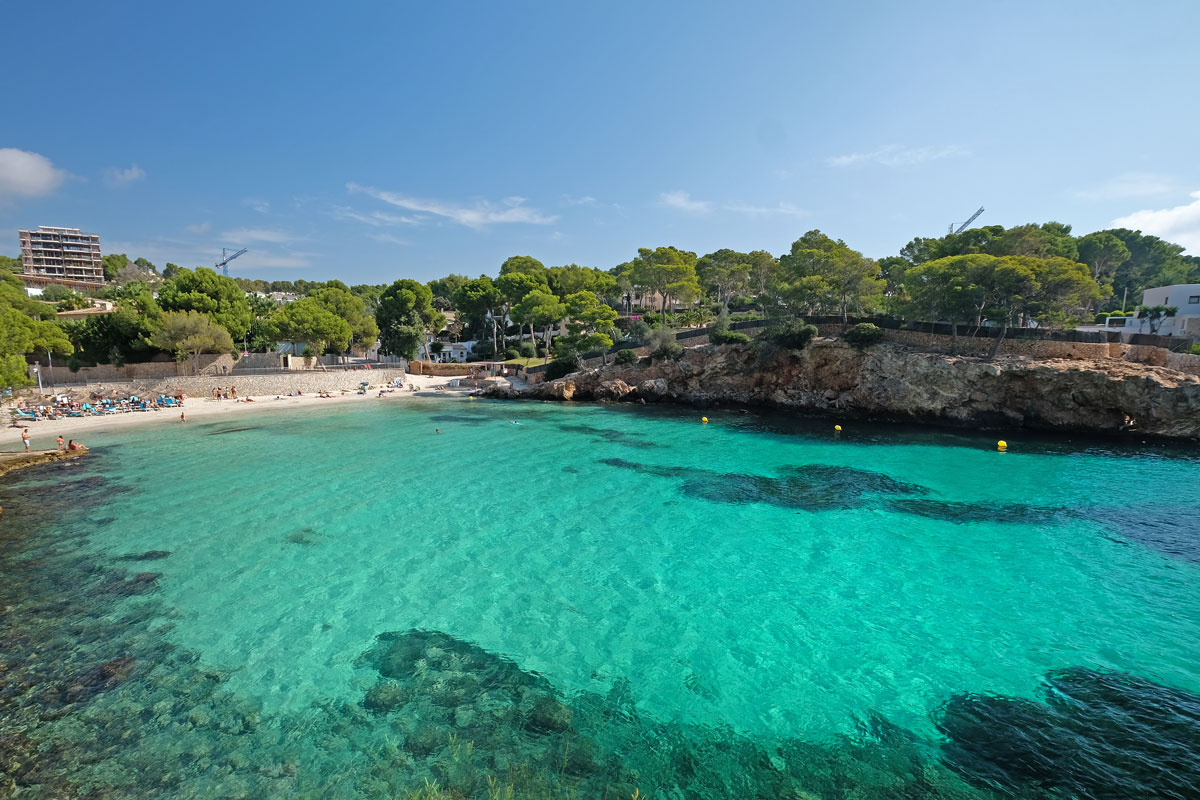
(1186, 322)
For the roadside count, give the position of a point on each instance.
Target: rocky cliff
(896, 383)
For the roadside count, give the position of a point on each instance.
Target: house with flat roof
(1186, 322)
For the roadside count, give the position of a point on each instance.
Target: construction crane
(223, 264)
(960, 228)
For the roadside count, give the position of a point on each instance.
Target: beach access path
(205, 408)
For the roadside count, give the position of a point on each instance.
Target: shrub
(663, 346)
(560, 367)
(639, 332)
(1196, 349)
(73, 364)
(625, 356)
(864, 334)
(728, 337)
(794, 335)
(55, 292)
(528, 350)
(511, 353)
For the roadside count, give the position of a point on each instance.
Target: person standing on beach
(183, 416)
(25, 438)
(59, 439)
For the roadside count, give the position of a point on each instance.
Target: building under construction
(60, 255)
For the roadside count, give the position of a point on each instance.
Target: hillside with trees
(1036, 274)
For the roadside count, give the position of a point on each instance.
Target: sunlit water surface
(755, 580)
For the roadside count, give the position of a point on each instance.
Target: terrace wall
(306, 381)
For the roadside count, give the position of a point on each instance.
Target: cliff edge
(895, 383)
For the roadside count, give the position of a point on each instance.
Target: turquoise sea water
(758, 580)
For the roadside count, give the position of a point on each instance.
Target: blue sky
(371, 141)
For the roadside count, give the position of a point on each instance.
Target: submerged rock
(549, 715)
(99, 679)
(386, 696)
(1101, 735)
(149, 555)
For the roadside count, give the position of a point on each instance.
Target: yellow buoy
(1001, 445)
(837, 428)
(704, 420)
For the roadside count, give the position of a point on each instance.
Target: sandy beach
(205, 408)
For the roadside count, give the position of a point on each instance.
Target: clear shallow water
(757, 577)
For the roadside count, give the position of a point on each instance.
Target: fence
(835, 324)
(63, 377)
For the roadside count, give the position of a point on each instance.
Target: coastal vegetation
(1038, 275)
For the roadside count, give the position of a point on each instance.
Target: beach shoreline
(198, 409)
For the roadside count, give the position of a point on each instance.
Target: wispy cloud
(1129, 184)
(374, 218)
(682, 201)
(784, 209)
(895, 155)
(479, 215)
(189, 252)
(1179, 224)
(201, 227)
(584, 200)
(26, 174)
(124, 177)
(250, 235)
(254, 260)
(388, 238)
(261, 206)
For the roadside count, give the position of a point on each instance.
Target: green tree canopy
(207, 292)
(190, 333)
(589, 323)
(724, 273)
(525, 265)
(26, 326)
(1104, 254)
(363, 327)
(443, 290)
(479, 302)
(541, 309)
(1152, 262)
(667, 270)
(308, 320)
(830, 275)
(12, 265)
(573, 278)
(405, 314)
(113, 264)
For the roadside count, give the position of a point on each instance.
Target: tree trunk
(999, 339)
(953, 338)
(664, 309)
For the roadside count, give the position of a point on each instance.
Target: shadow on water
(611, 435)
(818, 487)
(874, 432)
(1102, 735)
(95, 703)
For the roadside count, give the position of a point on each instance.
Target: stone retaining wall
(307, 381)
(436, 368)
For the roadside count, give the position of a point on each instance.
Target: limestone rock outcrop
(896, 383)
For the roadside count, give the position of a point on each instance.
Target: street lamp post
(37, 370)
